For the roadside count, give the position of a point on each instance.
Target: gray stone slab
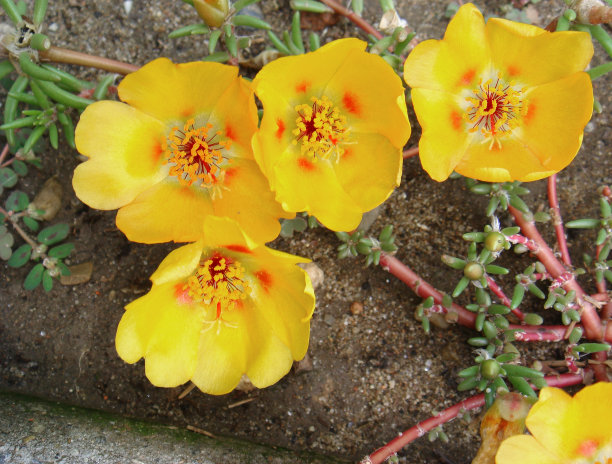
(33, 431)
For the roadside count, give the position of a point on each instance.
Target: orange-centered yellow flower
(332, 133)
(502, 101)
(220, 308)
(178, 150)
(565, 430)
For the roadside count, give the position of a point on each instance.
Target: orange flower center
(218, 281)
(320, 128)
(196, 156)
(494, 109)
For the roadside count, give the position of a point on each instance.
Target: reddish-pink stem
(503, 298)
(553, 202)
(590, 319)
(517, 238)
(410, 152)
(540, 333)
(424, 289)
(355, 18)
(477, 401)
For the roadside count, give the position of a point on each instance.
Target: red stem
(590, 319)
(477, 401)
(410, 152)
(553, 333)
(355, 18)
(503, 298)
(424, 289)
(458, 313)
(553, 201)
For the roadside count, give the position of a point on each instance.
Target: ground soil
(374, 373)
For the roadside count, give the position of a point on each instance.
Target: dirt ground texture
(374, 371)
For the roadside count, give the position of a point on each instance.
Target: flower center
(320, 128)
(494, 109)
(196, 156)
(218, 281)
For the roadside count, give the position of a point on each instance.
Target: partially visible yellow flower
(565, 430)
(332, 133)
(502, 101)
(220, 308)
(178, 150)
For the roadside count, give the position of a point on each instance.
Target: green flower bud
(473, 270)
(495, 242)
(212, 12)
(489, 369)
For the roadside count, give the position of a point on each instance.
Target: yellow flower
(333, 130)
(220, 308)
(502, 101)
(565, 430)
(178, 150)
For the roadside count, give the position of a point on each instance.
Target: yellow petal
(533, 56)
(524, 449)
(249, 200)
(514, 160)
(235, 114)
(295, 78)
(274, 135)
(370, 169)
(303, 185)
(222, 356)
(594, 404)
(547, 419)
(224, 232)
(444, 139)
(556, 117)
(124, 150)
(167, 211)
(457, 61)
(269, 358)
(162, 331)
(589, 430)
(177, 92)
(573, 427)
(179, 264)
(381, 112)
(286, 299)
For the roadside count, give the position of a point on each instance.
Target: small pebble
(315, 273)
(356, 308)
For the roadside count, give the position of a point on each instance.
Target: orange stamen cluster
(195, 156)
(218, 282)
(320, 128)
(495, 109)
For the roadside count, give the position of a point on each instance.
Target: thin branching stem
(590, 319)
(553, 202)
(477, 401)
(4, 152)
(423, 288)
(18, 229)
(354, 17)
(410, 152)
(64, 55)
